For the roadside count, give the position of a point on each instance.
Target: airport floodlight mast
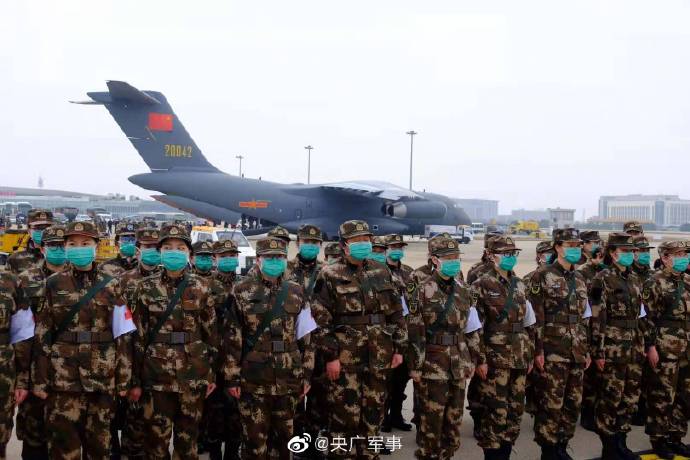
(309, 148)
(412, 135)
(240, 157)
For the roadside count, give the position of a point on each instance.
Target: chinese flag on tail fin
(160, 121)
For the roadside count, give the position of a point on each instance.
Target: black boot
(562, 451)
(679, 448)
(622, 448)
(608, 448)
(477, 430)
(506, 450)
(232, 450)
(548, 452)
(34, 452)
(492, 454)
(587, 420)
(662, 449)
(386, 427)
(399, 423)
(214, 451)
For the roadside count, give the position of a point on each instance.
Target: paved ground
(585, 445)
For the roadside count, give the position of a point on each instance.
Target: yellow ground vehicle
(524, 227)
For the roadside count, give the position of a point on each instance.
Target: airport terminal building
(662, 210)
(479, 210)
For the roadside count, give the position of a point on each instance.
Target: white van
(247, 256)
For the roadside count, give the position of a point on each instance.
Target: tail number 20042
(178, 151)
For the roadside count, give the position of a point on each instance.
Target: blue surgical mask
(128, 249)
(549, 258)
(507, 262)
(203, 263)
(594, 248)
(396, 254)
(644, 258)
(309, 251)
(174, 260)
(150, 257)
(680, 264)
(37, 236)
(228, 264)
(55, 255)
(81, 256)
(625, 259)
(573, 255)
(378, 257)
(450, 268)
(360, 250)
(273, 267)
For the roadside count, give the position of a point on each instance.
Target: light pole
(240, 157)
(309, 148)
(412, 135)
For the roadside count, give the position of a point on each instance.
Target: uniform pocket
(103, 358)
(349, 298)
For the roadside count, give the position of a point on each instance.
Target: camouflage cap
(202, 247)
(178, 231)
(221, 247)
(490, 236)
(671, 246)
(641, 242)
(279, 232)
(353, 228)
(40, 217)
(589, 236)
(82, 228)
(443, 246)
(619, 240)
(502, 244)
(566, 234)
(271, 246)
(309, 232)
(126, 228)
(378, 242)
(544, 246)
(394, 238)
(429, 243)
(147, 235)
(53, 234)
(633, 226)
(333, 249)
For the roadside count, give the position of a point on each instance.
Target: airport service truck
(462, 234)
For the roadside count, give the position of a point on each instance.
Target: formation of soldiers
(166, 343)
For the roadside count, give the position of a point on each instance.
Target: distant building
(479, 210)
(662, 210)
(529, 214)
(561, 218)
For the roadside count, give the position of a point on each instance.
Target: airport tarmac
(585, 444)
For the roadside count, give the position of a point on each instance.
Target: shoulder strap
(276, 312)
(509, 301)
(310, 286)
(444, 314)
(171, 306)
(86, 298)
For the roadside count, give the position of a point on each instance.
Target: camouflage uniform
(443, 353)
(19, 261)
(270, 371)
(204, 248)
(83, 367)
(120, 264)
(175, 367)
(633, 228)
(509, 334)
(618, 338)
(9, 374)
(31, 413)
(559, 298)
(332, 251)
(667, 296)
(361, 324)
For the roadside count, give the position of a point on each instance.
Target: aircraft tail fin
(152, 127)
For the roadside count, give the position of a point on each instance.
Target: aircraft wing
(380, 189)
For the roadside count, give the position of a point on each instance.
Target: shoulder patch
(646, 293)
(535, 288)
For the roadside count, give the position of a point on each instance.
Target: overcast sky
(535, 104)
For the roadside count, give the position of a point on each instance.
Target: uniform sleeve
(535, 295)
(123, 343)
(651, 297)
(417, 334)
(232, 345)
(42, 347)
(141, 321)
(22, 349)
(597, 296)
(475, 339)
(322, 303)
(395, 317)
(209, 332)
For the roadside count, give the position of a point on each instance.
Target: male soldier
(633, 228)
(332, 252)
(667, 297)
(175, 348)
(592, 263)
(423, 272)
(149, 260)
(39, 220)
(509, 332)
(280, 233)
(484, 264)
(83, 357)
(362, 333)
(402, 275)
(544, 256)
(125, 239)
(31, 295)
(445, 348)
(264, 367)
(203, 259)
(617, 345)
(558, 294)
(378, 249)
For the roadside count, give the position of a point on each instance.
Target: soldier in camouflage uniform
(125, 239)
(423, 272)
(402, 275)
(38, 220)
(149, 261)
(176, 345)
(31, 295)
(485, 264)
(667, 297)
(362, 334)
(558, 294)
(509, 332)
(264, 366)
(378, 249)
(633, 228)
(280, 233)
(82, 361)
(592, 263)
(445, 349)
(203, 259)
(618, 338)
(332, 252)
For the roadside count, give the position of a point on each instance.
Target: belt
(276, 346)
(361, 320)
(85, 337)
(679, 323)
(4, 338)
(622, 323)
(176, 338)
(512, 328)
(562, 319)
(445, 340)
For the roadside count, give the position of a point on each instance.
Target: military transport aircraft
(181, 172)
